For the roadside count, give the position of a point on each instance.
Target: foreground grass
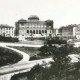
(8, 56)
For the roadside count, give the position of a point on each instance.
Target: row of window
(36, 31)
(6, 28)
(6, 31)
(32, 25)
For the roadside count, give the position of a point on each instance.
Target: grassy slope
(8, 56)
(29, 50)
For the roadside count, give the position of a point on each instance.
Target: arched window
(36, 31)
(42, 31)
(45, 31)
(39, 31)
(33, 31)
(30, 31)
(27, 31)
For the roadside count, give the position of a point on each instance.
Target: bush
(54, 72)
(8, 39)
(60, 69)
(34, 57)
(56, 40)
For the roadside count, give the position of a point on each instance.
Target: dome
(33, 17)
(22, 20)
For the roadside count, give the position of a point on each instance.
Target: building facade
(33, 27)
(68, 32)
(6, 30)
(77, 32)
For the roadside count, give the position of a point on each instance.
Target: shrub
(8, 39)
(56, 40)
(34, 57)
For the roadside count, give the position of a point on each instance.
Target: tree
(49, 23)
(61, 69)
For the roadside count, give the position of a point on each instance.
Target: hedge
(8, 39)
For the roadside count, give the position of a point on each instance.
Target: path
(19, 44)
(25, 55)
(74, 57)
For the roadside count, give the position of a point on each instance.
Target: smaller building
(6, 30)
(68, 32)
(77, 32)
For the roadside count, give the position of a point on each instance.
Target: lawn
(28, 50)
(33, 42)
(8, 56)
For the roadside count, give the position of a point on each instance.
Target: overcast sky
(62, 12)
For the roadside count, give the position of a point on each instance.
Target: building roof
(5, 26)
(22, 20)
(33, 17)
(31, 21)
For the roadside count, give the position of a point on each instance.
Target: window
(39, 31)
(6, 31)
(12, 28)
(27, 31)
(42, 31)
(12, 31)
(36, 31)
(45, 31)
(33, 31)
(30, 31)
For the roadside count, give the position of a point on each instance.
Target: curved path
(19, 44)
(24, 63)
(74, 57)
(25, 55)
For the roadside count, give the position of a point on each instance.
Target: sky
(62, 12)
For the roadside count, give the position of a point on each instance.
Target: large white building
(33, 27)
(7, 31)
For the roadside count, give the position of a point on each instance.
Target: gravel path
(25, 55)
